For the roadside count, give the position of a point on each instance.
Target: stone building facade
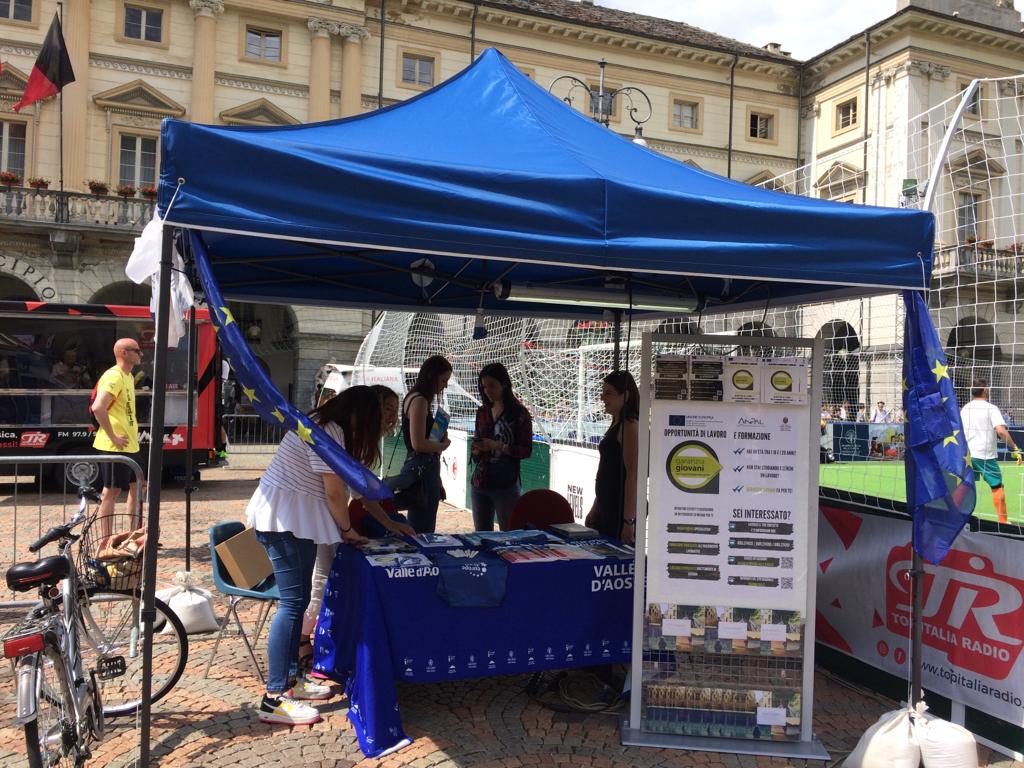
(734, 109)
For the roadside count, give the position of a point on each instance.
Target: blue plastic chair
(266, 592)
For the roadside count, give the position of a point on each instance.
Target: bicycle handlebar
(54, 534)
(59, 532)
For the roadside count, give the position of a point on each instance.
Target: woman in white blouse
(300, 503)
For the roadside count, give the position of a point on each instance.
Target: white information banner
(573, 470)
(453, 468)
(972, 616)
(727, 517)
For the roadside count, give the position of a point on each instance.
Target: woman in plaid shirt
(503, 438)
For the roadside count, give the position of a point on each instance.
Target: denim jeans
(293, 560)
(491, 502)
(423, 514)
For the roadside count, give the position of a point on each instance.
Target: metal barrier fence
(248, 433)
(24, 516)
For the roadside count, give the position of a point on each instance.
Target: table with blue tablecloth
(379, 625)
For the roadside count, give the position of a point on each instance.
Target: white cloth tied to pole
(145, 263)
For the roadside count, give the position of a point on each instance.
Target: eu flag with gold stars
(264, 397)
(940, 481)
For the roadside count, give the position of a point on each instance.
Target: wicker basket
(122, 571)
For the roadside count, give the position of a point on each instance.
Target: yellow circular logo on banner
(782, 381)
(693, 467)
(743, 379)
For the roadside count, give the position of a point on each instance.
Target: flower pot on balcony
(40, 186)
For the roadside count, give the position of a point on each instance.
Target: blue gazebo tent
(488, 175)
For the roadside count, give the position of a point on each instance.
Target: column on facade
(204, 58)
(352, 68)
(320, 31)
(76, 27)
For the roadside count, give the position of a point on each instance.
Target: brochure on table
(727, 548)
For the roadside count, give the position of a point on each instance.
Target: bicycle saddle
(21, 577)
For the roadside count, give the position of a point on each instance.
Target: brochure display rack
(723, 651)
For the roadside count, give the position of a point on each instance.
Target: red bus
(51, 356)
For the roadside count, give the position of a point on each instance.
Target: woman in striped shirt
(300, 503)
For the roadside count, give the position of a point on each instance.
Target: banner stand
(728, 684)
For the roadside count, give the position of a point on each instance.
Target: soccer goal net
(965, 156)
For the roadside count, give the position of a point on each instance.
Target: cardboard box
(245, 559)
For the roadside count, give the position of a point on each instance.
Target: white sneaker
(283, 710)
(311, 690)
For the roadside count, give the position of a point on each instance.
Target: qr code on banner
(787, 582)
(787, 562)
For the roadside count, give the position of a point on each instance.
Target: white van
(335, 377)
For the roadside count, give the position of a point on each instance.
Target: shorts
(988, 469)
(118, 475)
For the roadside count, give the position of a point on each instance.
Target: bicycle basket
(112, 561)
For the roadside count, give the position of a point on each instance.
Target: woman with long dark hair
(423, 458)
(614, 510)
(299, 504)
(503, 438)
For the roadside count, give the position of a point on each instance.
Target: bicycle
(82, 643)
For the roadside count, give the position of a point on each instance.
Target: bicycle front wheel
(51, 738)
(111, 633)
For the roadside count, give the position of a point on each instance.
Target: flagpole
(916, 574)
(61, 201)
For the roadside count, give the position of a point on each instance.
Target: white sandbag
(889, 743)
(192, 605)
(945, 745)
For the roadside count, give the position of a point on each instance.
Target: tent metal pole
(156, 466)
(916, 574)
(380, 59)
(190, 393)
(618, 335)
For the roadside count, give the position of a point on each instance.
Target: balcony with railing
(39, 207)
(980, 261)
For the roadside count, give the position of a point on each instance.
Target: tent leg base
(802, 750)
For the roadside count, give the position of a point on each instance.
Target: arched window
(974, 353)
(124, 293)
(756, 328)
(840, 366)
(13, 289)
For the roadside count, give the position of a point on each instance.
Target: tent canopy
(489, 176)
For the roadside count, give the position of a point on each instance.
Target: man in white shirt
(880, 416)
(982, 424)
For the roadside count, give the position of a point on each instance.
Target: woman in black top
(424, 454)
(614, 510)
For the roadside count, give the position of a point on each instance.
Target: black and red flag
(52, 70)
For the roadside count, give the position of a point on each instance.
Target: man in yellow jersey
(118, 432)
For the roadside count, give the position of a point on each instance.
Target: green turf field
(884, 479)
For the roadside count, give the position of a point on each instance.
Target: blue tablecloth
(378, 625)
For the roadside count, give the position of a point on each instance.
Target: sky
(803, 27)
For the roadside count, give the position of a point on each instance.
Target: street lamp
(602, 103)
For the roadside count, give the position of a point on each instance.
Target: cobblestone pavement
(489, 723)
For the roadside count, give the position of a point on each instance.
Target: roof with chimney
(651, 27)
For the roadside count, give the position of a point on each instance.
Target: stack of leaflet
(544, 553)
(671, 378)
(399, 560)
(606, 549)
(387, 545)
(573, 531)
(435, 541)
(495, 539)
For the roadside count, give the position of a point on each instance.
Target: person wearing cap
(880, 416)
